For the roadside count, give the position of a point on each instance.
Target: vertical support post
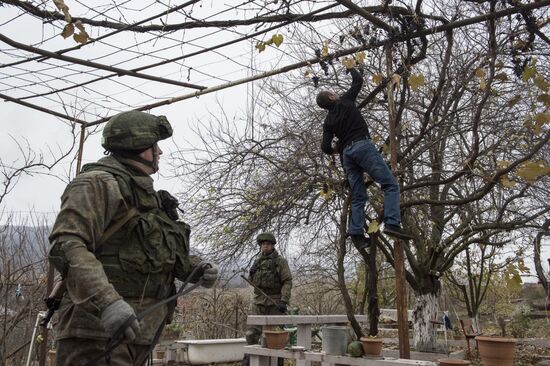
(303, 339)
(43, 350)
(80, 148)
(398, 252)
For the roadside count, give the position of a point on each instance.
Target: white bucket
(335, 339)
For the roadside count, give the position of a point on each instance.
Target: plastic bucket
(335, 339)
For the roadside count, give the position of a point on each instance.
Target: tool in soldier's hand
(118, 337)
(261, 291)
(53, 301)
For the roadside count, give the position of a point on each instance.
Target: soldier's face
(266, 247)
(152, 154)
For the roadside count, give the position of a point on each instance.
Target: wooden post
(398, 252)
(43, 350)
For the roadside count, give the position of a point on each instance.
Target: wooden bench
(469, 334)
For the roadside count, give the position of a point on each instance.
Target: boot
(360, 242)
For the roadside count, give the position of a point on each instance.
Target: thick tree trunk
(425, 310)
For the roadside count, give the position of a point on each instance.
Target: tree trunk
(373, 309)
(425, 310)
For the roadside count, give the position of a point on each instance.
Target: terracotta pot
(496, 351)
(452, 362)
(372, 346)
(276, 339)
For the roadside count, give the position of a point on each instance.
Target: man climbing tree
(344, 120)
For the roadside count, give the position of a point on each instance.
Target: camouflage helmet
(267, 236)
(134, 131)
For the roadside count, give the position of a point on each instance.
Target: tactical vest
(139, 259)
(267, 276)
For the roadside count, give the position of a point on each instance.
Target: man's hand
(281, 306)
(115, 315)
(209, 274)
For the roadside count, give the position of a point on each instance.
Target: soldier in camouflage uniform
(111, 278)
(271, 274)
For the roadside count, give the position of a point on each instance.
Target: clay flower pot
(496, 351)
(452, 362)
(276, 339)
(372, 346)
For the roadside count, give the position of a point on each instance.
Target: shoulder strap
(115, 226)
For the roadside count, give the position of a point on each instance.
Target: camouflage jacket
(271, 274)
(137, 263)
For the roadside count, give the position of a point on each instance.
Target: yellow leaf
(506, 182)
(512, 102)
(348, 62)
(482, 85)
(480, 73)
(78, 24)
(530, 171)
(529, 72)
(68, 17)
(542, 117)
(64, 8)
(260, 46)
(396, 80)
(68, 30)
(541, 83)
(373, 227)
(324, 50)
(501, 76)
(386, 149)
(81, 37)
(360, 57)
(377, 79)
(277, 39)
(540, 120)
(545, 99)
(416, 81)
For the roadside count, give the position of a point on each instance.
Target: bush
(520, 323)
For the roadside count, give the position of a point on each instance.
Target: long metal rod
(41, 109)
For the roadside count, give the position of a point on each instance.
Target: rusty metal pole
(398, 252)
(43, 350)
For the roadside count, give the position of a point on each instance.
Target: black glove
(281, 306)
(253, 270)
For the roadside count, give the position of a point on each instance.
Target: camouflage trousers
(80, 351)
(253, 333)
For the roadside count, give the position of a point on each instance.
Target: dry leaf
(348, 62)
(373, 227)
(377, 79)
(416, 81)
(68, 30)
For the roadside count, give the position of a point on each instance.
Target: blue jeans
(363, 157)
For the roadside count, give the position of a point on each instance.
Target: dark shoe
(361, 243)
(397, 232)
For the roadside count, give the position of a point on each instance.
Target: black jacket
(344, 120)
